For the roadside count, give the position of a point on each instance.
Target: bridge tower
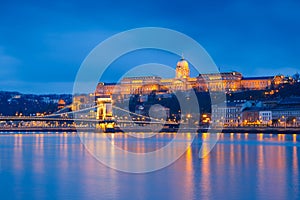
(104, 112)
(104, 108)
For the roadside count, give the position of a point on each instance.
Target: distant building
(227, 81)
(229, 115)
(283, 113)
(287, 111)
(265, 117)
(250, 116)
(250, 113)
(83, 101)
(257, 83)
(61, 104)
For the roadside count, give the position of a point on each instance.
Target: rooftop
(258, 78)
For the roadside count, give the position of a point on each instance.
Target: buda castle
(227, 81)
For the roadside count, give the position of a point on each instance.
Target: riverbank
(274, 130)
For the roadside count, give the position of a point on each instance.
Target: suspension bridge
(97, 117)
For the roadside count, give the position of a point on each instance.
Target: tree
(296, 77)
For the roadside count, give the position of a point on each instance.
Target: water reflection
(294, 137)
(140, 157)
(268, 173)
(58, 166)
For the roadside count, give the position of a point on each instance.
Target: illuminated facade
(229, 115)
(228, 81)
(61, 104)
(182, 69)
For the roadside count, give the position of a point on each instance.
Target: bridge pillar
(104, 108)
(104, 112)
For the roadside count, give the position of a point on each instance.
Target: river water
(240, 166)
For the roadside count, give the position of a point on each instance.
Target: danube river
(240, 166)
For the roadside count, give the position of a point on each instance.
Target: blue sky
(42, 43)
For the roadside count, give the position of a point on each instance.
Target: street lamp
(260, 120)
(284, 120)
(188, 116)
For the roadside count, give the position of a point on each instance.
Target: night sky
(43, 43)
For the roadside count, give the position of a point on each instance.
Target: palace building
(227, 81)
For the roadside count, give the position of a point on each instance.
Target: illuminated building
(257, 83)
(83, 101)
(250, 116)
(182, 69)
(231, 113)
(287, 110)
(227, 81)
(265, 117)
(61, 104)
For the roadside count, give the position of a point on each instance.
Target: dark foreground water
(57, 166)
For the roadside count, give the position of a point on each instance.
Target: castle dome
(182, 63)
(182, 69)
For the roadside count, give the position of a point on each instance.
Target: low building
(250, 113)
(229, 115)
(265, 117)
(287, 112)
(61, 104)
(83, 101)
(250, 116)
